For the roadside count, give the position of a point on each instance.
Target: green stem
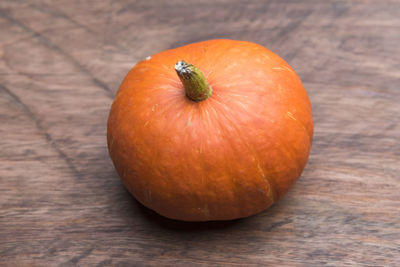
(194, 82)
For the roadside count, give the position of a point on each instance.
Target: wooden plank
(61, 202)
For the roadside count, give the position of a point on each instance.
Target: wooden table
(61, 201)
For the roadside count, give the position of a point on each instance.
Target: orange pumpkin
(214, 130)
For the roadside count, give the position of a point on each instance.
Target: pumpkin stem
(194, 82)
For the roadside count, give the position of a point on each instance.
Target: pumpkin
(214, 130)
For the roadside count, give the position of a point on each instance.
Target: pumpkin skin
(229, 156)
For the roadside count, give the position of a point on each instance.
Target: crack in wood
(41, 129)
(49, 44)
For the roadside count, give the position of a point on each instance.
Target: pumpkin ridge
(250, 148)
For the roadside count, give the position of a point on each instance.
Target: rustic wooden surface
(62, 203)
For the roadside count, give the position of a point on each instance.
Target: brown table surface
(61, 201)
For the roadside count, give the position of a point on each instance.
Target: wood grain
(61, 202)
